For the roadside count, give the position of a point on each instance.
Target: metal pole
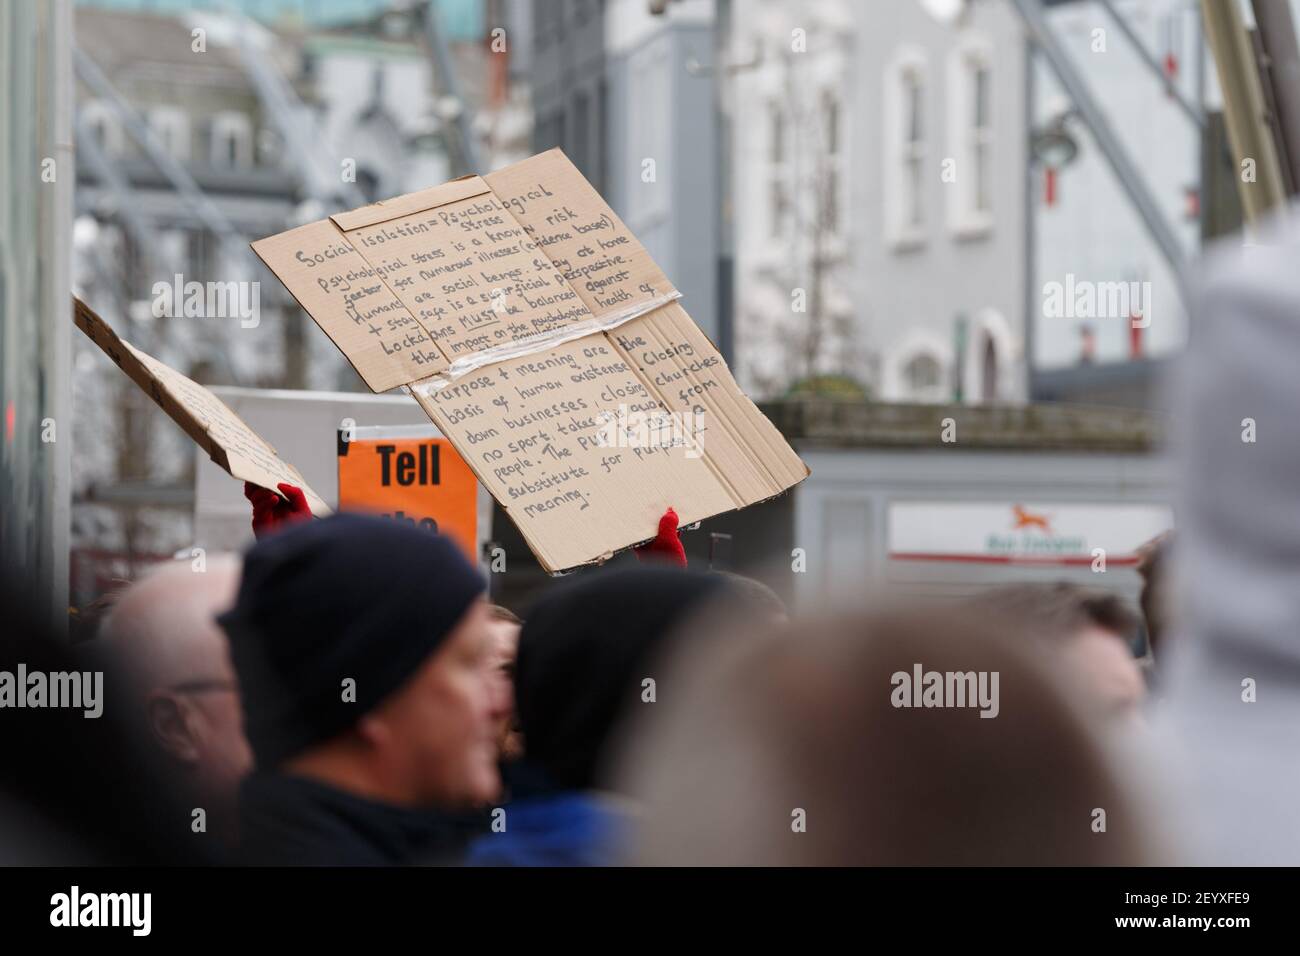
(1202, 178)
(1031, 11)
(57, 272)
(444, 72)
(1278, 36)
(1032, 301)
(1243, 107)
(722, 78)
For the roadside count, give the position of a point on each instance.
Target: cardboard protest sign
(420, 481)
(205, 418)
(541, 338)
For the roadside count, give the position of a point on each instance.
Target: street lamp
(1055, 147)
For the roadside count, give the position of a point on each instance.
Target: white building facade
(879, 177)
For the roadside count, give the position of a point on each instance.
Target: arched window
(971, 136)
(991, 367)
(918, 367)
(906, 148)
(989, 381)
(921, 376)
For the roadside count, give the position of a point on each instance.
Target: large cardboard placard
(542, 339)
(205, 418)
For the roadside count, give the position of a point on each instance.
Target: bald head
(163, 635)
(162, 629)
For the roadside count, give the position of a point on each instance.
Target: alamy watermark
(208, 300)
(641, 430)
(922, 688)
(1084, 299)
(74, 908)
(78, 690)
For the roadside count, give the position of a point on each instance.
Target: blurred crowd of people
(345, 694)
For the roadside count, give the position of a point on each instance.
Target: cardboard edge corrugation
(129, 359)
(762, 434)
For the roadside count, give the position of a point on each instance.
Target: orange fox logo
(1027, 519)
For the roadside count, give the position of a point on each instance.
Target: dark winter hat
(349, 596)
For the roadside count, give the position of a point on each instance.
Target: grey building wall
(612, 88)
(662, 112)
(569, 91)
(842, 514)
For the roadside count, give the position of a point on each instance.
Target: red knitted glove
(271, 512)
(666, 546)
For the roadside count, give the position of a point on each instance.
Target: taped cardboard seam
(542, 342)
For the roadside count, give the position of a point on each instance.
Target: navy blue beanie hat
(349, 596)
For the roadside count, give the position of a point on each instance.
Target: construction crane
(1245, 108)
(1112, 148)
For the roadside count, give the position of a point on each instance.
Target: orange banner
(421, 481)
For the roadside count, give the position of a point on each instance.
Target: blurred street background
(886, 214)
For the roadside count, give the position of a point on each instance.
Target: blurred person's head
(162, 633)
(796, 750)
(1231, 669)
(761, 599)
(1090, 628)
(362, 647)
(89, 788)
(1153, 567)
(505, 625)
(586, 653)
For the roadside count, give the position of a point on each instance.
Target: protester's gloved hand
(271, 512)
(666, 546)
